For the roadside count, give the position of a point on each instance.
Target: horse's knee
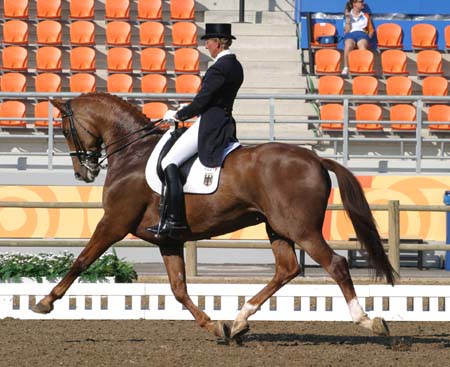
(338, 268)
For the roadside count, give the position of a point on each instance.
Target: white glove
(182, 105)
(170, 116)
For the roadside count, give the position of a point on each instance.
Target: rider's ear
(59, 104)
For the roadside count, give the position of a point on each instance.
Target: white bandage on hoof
(357, 313)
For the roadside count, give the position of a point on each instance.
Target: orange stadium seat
(366, 85)
(389, 35)
(187, 83)
(321, 29)
(393, 62)
(49, 32)
(13, 82)
(41, 112)
(119, 83)
(429, 62)
(82, 33)
(49, 9)
(15, 32)
(327, 61)
(331, 84)
(447, 37)
(332, 112)
(434, 86)
(81, 9)
(149, 10)
(82, 83)
(187, 60)
(117, 9)
(154, 83)
(153, 60)
(439, 113)
(48, 58)
(182, 10)
(423, 36)
(47, 82)
(151, 34)
(119, 59)
(82, 59)
(398, 85)
(15, 9)
(13, 110)
(154, 110)
(15, 58)
(118, 33)
(404, 113)
(360, 62)
(368, 112)
(184, 34)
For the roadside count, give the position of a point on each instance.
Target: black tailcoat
(214, 102)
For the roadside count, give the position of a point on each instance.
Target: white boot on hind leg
(377, 325)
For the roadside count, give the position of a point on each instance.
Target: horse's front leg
(104, 236)
(173, 256)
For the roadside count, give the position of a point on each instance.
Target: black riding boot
(174, 220)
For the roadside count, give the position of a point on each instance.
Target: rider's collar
(223, 53)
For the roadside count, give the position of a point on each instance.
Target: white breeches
(184, 148)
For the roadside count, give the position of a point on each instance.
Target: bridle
(89, 159)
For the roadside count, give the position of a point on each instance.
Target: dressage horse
(285, 186)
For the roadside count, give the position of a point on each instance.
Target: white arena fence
(223, 301)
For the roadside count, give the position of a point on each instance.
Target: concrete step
(267, 5)
(286, 108)
(246, 54)
(266, 17)
(254, 79)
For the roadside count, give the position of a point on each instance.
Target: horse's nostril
(77, 176)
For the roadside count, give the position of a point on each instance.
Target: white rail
(222, 301)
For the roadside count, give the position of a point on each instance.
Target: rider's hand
(182, 105)
(170, 115)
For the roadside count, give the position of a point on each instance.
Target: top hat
(217, 30)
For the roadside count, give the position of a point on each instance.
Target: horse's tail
(357, 208)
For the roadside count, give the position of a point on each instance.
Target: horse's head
(83, 141)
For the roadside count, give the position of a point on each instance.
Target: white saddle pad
(201, 179)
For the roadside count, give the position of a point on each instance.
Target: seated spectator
(358, 29)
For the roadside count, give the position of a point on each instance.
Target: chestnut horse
(284, 186)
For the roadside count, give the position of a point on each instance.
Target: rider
(213, 131)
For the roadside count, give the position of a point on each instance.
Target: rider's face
(213, 46)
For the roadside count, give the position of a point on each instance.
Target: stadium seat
(154, 83)
(117, 9)
(82, 33)
(389, 35)
(393, 62)
(48, 58)
(15, 58)
(404, 113)
(398, 86)
(153, 60)
(429, 62)
(13, 82)
(423, 36)
(154, 110)
(48, 9)
(151, 34)
(12, 109)
(119, 83)
(48, 32)
(187, 83)
(187, 60)
(439, 113)
(118, 33)
(82, 83)
(331, 84)
(184, 34)
(15, 32)
(82, 59)
(368, 112)
(15, 9)
(327, 61)
(182, 10)
(360, 62)
(47, 82)
(332, 112)
(447, 37)
(119, 59)
(41, 112)
(149, 10)
(365, 85)
(321, 29)
(81, 9)
(434, 86)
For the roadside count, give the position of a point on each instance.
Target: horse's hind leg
(286, 268)
(338, 269)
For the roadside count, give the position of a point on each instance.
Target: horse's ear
(59, 104)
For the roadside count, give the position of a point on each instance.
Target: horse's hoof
(380, 327)
(222, 330)
(239, 329)
(42, 308)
